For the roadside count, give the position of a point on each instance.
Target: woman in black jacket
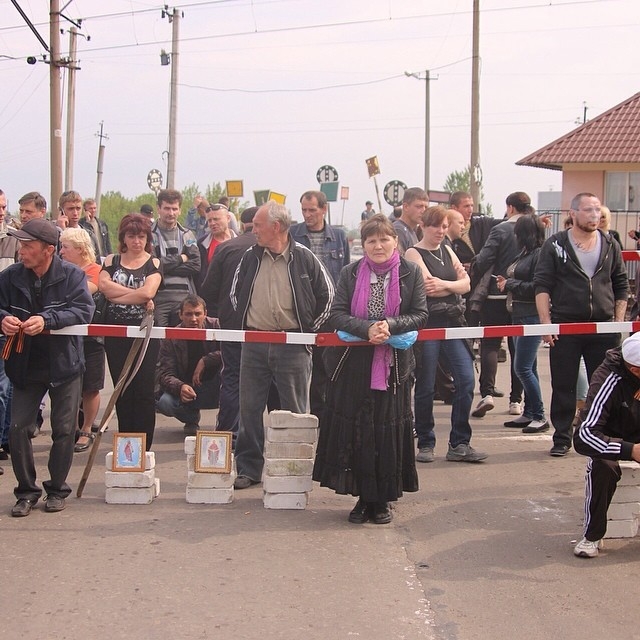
(366, 444)
(518, 284)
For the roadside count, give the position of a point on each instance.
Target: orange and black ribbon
(18, 340)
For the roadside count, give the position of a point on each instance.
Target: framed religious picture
(213, 452)
(129, 451)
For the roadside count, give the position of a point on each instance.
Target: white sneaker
(515, 409)
(587, 549)
(486, 404)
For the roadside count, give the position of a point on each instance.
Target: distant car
(356, 250)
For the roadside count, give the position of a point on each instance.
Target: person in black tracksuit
(609, 431)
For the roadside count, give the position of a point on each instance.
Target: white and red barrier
(332, 340)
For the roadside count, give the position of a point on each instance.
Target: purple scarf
(381, 365)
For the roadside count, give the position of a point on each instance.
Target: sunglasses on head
(215, 207)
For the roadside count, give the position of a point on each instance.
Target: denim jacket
(335, 244)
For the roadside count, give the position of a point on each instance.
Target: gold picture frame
(213, 452)
(129, 452)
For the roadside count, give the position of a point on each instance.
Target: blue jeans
(461, 363)
(171, 406)
(525, 365)
(5, 399)
(289, 366)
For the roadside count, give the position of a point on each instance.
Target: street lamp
(426, 78)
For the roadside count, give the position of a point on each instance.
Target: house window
(622, 190)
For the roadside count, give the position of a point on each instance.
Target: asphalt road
(481, 551)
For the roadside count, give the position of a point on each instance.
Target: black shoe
(382, 513)
(190, 428)
(517, 424)
(244, 482)
(360, 513)
(3, 455)
(54, 504)
(559, 450)
(1, 471)
(496, 393)
(536, 426)
(22, 508)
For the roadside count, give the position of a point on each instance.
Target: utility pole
(100, 171)
(174, 19)
(427, 125)
(475, 172)
(55, 107)
(71, 108)
(427, 132)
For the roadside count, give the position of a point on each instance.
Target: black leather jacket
(413, 315)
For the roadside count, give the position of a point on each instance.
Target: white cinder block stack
(132, 487)
(622, 517)
(289, 451)
(207, 488)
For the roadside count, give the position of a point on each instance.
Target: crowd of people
(423, 267)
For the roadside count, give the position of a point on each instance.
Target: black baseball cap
(36, 229)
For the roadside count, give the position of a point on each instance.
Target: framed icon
(213, 452)
(129, 451)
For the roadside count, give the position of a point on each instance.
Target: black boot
(382, 513)
(360, 513)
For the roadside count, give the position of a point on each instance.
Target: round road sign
(154, 180)
(327, 173)
(394, 192)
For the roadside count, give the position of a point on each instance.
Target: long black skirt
(365, 447)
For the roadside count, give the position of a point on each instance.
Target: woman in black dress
(129, 280)
(366, 445)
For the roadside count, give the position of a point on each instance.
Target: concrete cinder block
(120, 495)
(287, 484)
(285, 500)
(190, 445)
(288, 420)
(191, 462)
(291, 435)
(628, 493)
(302, 450)
(211, 480)
(630, 474)
(130, 480)
(197, 495)
(622, 528)
(287, 467)
(150, 461)
(623, 510)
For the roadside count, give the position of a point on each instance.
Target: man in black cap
(42, 292)
(368, 212)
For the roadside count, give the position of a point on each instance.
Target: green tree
(461, 181)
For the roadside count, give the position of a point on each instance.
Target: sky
(271, 90)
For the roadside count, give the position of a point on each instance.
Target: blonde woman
(77, 248)
(605, 224)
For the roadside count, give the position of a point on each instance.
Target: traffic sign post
(326, 173)
(154, 180)
(394, 192)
